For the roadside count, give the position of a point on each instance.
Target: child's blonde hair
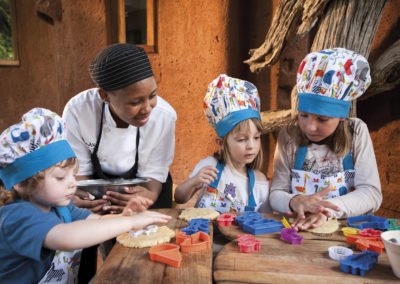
(30, 185)
(340, 142)
(223, 155)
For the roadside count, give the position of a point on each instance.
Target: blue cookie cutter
(196, 225)
(359, 264)
(368, 221)
(248, 216)
(262, 226)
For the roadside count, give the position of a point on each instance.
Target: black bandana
(120, 65)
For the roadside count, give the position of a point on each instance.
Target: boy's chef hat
(229, 101)
(32, 145)
(329, 79)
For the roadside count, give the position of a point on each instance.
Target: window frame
(15, 61)
(150, 47)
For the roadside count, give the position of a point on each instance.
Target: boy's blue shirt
(23, 228)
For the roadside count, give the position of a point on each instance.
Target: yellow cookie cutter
(348, 231)
(285, 223)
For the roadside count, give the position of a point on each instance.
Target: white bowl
(391, 240)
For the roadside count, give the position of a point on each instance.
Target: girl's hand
(313, 220)
(146, 218)
(313, 204)
(206, 175)
(136, 204)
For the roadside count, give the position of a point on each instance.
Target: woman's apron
(65, 265)
(306, 182)
(226, 201)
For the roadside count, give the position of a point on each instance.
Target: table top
(133, 265)
(279, 262)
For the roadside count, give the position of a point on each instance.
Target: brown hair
(30, 185)
(223, 155)
(339, 142)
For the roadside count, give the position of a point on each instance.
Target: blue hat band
(324, 106)
(35, 162)
(231, 120)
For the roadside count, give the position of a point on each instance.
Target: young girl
(324, 153)
(230, 181)
(41, 231)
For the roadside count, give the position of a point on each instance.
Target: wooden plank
(130, 265)
(231, 232)
(278, 262)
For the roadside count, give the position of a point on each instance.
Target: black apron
(89, 255)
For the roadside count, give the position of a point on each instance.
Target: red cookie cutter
(248, 244)
(226, 219)
(166, 253)
(367, 243)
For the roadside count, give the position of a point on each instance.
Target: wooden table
(130, 265)
(279, 262)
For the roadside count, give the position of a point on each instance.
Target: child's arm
(86, 233)
(185, 190)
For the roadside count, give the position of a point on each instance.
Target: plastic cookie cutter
(339, 253)
(248, 244)
(196, 225)
(248, 216)
(359, 264)
(285, 223)
(370, 233)
(197, 242)
(348, 231)
(393, 224)
(291, 236)
(263, 226)
(367, 243)
(226, 219)
(166, 253)
(368, 221)
(146, 231)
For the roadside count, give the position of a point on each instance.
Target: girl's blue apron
(306, 182)
(225, 201)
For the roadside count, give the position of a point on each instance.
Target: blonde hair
(223, 154)
(30, 185)
(340, 142)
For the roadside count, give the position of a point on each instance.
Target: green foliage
(6, 42)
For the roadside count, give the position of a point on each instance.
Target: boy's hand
(136, 204)
(146, 218)
(206, 175)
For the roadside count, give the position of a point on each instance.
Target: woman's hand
(136, 204)
(83, 199)
(314, 203)
(118, 201)
(312, 220)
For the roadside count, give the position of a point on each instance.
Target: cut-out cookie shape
(166, 253)
(163, 235)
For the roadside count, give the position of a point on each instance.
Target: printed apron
(65, 265)
(226, 201)
(306, 182)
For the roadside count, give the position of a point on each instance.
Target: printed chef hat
(229, 101)
(32, 145)
(329, 79)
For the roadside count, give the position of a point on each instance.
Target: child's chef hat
(329, 79)
(229, 101)
(32, 145)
